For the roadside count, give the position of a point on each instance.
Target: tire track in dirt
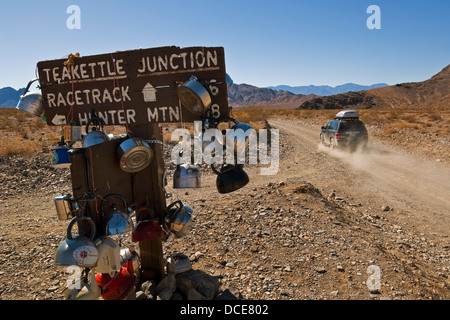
(417, 188)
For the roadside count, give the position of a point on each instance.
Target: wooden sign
(135, 87)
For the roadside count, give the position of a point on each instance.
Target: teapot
(186, 176)
(146, 229)
(179, 218)
(120, 285)
(194, 96)
(96, 135)
(117, 221)
(31, 102)
(230, 178)
(81, 250)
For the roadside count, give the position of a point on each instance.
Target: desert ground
(329, 225)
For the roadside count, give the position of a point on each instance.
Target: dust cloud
(405, 174)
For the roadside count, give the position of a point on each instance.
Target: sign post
(137, 89)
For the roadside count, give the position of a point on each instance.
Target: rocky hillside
(328, 90)
(245, 95)
(432, 93)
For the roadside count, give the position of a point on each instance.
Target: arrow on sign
(59, 120)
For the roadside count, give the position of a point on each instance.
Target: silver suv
(346, 131)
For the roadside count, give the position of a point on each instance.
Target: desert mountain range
(434, 92)
(431, 93)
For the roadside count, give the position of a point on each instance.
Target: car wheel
(332, 144)
(322, 140)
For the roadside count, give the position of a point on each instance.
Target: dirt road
(416, 190)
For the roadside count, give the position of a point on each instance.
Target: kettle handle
(231, 168)
(29, 85)
(76, 219)
(174, 203)
(102, 204)
(97, 119)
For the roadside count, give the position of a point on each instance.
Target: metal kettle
(186, 176)
(96, 135)
(116, 220)
(31, 102)
(179, 219)
(81, 250)
(230, 178)
(194, 96)
(135, 154)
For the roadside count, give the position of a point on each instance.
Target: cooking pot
(108, 255)
(60, 157)
(90, 290)
(179, 218)
(66, 207)
(31, 102)
(96, 135)
(135, 154)
(230, 178)
(120, 285)
(81, 250)
(186, 176)
(194, 96)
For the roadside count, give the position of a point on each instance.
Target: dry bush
(19, 146)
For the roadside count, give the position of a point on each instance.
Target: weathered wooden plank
(134, 87)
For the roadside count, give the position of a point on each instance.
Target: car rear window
(353, 125)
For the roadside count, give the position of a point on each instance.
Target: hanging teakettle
(31, 102)
(120, 285)
(194, 96)
(238, 136)
(81, 250)
(179, 219)
(146, 229)
(96, 135)
(60, 157)
(117, 220)
(186, 176)
(135, 154)
(66, 207)
(230, 178)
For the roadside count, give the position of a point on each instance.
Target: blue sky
(291, 42)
